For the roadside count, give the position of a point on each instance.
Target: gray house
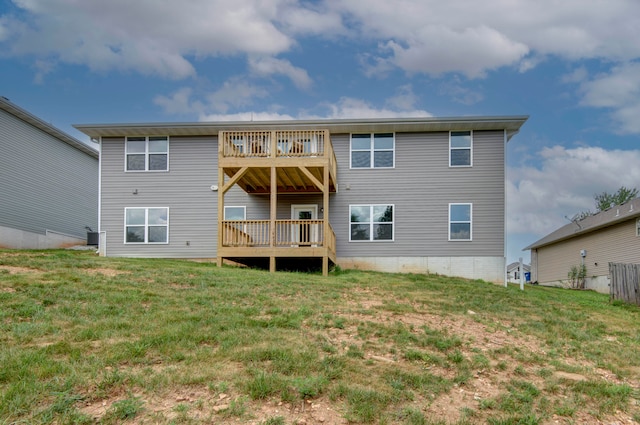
(397, 195)
(48, 183)
(611, 236)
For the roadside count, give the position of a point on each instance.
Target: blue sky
(573, 66)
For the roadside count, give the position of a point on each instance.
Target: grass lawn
(85, 339)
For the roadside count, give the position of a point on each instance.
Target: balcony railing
(288, 233)
(279, 143)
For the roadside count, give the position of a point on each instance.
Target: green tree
(607, 200)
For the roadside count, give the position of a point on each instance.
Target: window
(372, 150)
(638, 227)
(147, 153)
(235, 213)
(460, 222)
(460, 149)
(146, 225)
(371, 222)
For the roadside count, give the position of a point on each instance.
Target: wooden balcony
(300, 158)
(248, 237)
(275, 162)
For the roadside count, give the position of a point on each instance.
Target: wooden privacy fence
(625, 282)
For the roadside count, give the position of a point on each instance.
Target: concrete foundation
(490, 269)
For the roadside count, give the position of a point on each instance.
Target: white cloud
(471, 51)
(147, 36)
(232, 94)
(618, 90)
(472, 37)
(459, 93)
(405, 100)
(538, 199)
(247, 116)
(267, 66)
(418, 36)
(345, 108)
(348, 107)
(179, 102)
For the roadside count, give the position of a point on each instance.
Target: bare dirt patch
(18, 270)
(105, 272)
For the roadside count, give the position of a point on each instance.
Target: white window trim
(146, 226)
(371, 223)
(244, 210)
(371, 151)
(470, 150)
(146, 155)
(470, 222)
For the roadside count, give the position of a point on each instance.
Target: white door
(304, 234)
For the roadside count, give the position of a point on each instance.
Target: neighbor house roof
(511, 124)
(18, 112)
(614, 215)
(516, 266)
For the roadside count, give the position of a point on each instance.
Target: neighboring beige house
(609, 236)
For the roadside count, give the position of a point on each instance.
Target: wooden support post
(272, 217)
(220, 196)
(325, 217)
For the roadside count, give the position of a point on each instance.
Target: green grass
(85, 339)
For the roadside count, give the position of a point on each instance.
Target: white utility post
(521, 275)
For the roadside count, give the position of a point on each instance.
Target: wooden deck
(277, 162)
(299, 157)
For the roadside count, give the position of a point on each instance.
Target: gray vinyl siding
(185, 189)
(45, 183)
(421, 186)
(617, 243)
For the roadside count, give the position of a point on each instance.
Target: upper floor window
(374, 150)
(147, 153)
(460, 221)
(460, 149)
(371, 222)
(638, 227)
(146, 225)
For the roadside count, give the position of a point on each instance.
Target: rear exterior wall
(420, 186)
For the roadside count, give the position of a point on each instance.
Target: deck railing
(278, 143)
(289, 233)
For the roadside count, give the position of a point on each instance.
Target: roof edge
(28, 117)
(510, 123)
(607, 218)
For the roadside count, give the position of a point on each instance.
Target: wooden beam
(313, 179)
(233, 180)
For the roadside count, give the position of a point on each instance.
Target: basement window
(146, 225)
(371, 223)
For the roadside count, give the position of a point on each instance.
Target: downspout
(504, 220)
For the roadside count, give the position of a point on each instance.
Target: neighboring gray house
(398, 195)
(595, 241)
(513, 272)
(48, 183)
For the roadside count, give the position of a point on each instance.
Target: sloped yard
(85, 339)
